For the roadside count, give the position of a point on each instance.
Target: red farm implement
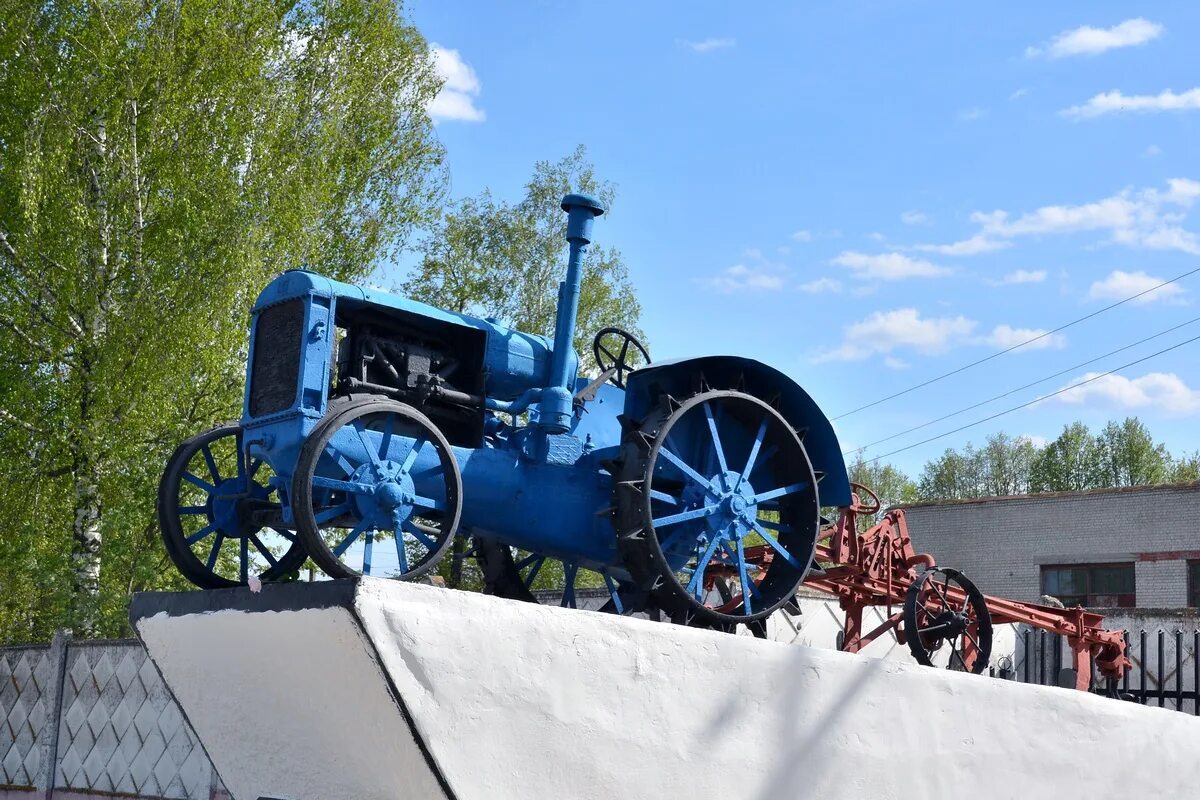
(937, 611)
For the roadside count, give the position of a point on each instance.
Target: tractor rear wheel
(716, 508)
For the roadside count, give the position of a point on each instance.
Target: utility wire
(965, 367)
(1020, 388)
(1035, 400)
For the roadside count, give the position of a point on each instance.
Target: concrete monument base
(375, 689)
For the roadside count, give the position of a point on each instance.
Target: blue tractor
(377, 429)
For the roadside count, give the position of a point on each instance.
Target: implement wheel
(944, 609)
(377, 472)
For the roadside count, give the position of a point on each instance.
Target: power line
(1020, 388)
(1035, 400)
(1015, 346)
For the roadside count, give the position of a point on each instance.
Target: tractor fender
(681, 378)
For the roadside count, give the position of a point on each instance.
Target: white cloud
(972, 114)
(1152, 151)
(1154, 391)
(1004, 337)
(460, 88)
(913, 218)
(803, 236)
(887, 331)
(1114, 102)
(707, 45)
(1089, 41)
(740, 277)
(821, 285)
(888, 266)
(1019, 93)
(1021, 276)
(1119, 285)
(1037, 441)
(1147, 218)
(891, 362)
(968, 247)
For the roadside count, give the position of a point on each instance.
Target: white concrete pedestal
(348, 691)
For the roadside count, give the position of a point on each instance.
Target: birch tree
(159, 162)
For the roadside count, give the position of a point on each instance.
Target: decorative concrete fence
(91, 719)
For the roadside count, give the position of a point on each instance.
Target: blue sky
(867, 196)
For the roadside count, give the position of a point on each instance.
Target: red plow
(937, 611)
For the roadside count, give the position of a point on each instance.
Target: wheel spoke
(663, 497)
(743, 578)
(613, 593)
(199, 482)
(192, 510)
(533, 571)
(568, 598)
(244, 556)
(780, 492)
(401, 554)
(336, 485)
(775, 526)
(696, 584)
(367, 542)
(718, 451)
(933, 584)
(771, 540)
(758, 440)
(262, 548)
(386, 441)
(212, 464)
(526, 561)
(428, 503)
(214, 552)
(683, 467)
(201, 534)
(683, 516)
(411, 527)
(331, 513)
(362, 438)
(254, 466)
(357, 531)
(411, 458)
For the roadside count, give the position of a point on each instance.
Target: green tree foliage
(1003, 466)
(1069, 463)
(1122, 454)
(492, 258)
(158, 163)
(1129, 456)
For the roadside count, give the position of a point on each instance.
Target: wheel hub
(229, 505)
(736, 509)
(393, 491)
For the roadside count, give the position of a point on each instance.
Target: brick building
(1135, 547)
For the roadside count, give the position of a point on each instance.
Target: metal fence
(1165, 670)
(94, 719)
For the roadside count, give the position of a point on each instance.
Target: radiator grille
(275, 373)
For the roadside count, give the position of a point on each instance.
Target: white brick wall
(1001, 543)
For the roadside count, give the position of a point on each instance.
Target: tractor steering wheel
(614, 353)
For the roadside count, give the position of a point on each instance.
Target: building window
(1091, 585)
(1194, 584)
